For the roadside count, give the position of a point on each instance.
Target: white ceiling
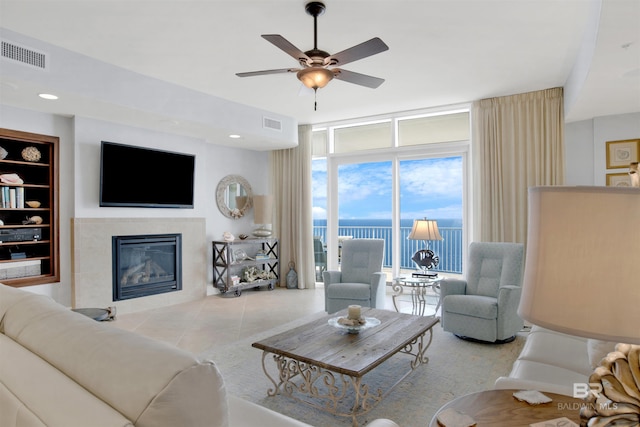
(441, 52)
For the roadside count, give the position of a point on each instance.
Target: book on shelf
(20, 197)
(12, 198)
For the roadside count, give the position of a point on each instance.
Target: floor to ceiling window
(372, 178)
(431, 188)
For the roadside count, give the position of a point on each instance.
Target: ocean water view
(449, 250)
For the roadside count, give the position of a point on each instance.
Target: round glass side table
(420, 289)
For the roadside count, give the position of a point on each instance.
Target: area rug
(456, 367)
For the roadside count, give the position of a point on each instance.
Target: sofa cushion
(529, 375)
(245, 413)
(489, 280)
(557, 349)
(359, 291)
(48, 394)
(472, 305)
(14, 413)
(549, 362)
(145, 380)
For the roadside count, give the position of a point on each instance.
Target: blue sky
(429, 188)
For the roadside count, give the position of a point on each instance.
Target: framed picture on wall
(618, 180)
(621, 153)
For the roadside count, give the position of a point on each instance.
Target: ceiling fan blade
(362, 50)
(287, 47)
(263, 72)
(357, 78)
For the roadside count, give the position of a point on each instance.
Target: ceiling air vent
(272, 124)
(24, 55)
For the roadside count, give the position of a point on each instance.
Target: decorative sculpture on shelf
(252, 274)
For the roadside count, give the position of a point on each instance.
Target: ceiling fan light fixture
(315, 77)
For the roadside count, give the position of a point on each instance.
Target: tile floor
(194, 326)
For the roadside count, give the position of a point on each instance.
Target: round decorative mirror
(234, 196)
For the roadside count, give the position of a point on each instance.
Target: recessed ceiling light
(234, 136)
(47, 96)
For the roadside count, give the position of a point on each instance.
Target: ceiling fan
(318, 66)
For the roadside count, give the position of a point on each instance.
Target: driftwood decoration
(142, 273)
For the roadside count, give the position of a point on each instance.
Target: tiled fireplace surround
(91, 277)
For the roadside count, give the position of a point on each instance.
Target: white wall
(80, 174)
(585, 144)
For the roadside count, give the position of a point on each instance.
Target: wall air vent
(24, 55)
(272, 124)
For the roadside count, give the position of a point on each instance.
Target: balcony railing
(448, 250)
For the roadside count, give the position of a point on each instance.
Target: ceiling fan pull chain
(315, 100)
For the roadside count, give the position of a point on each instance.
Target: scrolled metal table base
(339, 394)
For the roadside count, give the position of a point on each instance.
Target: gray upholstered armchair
(484, 306)
(360, 280)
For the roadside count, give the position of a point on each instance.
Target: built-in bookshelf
(29, 240)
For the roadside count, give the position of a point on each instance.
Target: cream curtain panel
(518, 142)
(292, 192)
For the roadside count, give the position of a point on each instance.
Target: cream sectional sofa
(61, 369)
(552, 362)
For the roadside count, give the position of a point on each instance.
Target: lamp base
(426, 259)
(262, 232)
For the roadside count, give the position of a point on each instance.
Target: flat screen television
(143, 177)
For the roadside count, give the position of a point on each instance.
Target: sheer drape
(292, 191)
(518, 142)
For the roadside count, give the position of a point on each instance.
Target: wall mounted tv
(144, 177)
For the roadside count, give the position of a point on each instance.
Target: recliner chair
(360, 281)
(484, 306)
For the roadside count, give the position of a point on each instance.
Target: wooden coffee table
(323, 366)
(498, 408)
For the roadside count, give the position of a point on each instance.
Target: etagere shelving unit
(230, 259)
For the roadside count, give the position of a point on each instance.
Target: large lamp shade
(582, 270)
(425, 229)
(262, 209)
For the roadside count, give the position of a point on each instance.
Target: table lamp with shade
(582, 277)
(262, 215)
(427, 230)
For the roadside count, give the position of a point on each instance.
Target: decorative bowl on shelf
(32, 203)
(369, 322)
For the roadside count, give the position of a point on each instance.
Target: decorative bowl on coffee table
(369, 322)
